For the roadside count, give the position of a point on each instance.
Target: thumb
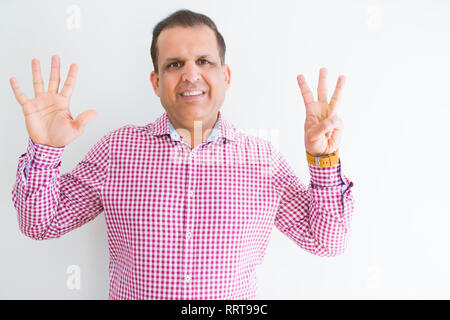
(83, 119)
(325, 126)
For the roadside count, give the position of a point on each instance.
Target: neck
(195, 132)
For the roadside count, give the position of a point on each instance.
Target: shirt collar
(222, 129)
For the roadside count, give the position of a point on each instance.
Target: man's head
(188, 55)
(185, 18)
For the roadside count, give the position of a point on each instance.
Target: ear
(227, 75)
(154, 79)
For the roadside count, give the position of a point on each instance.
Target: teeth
(193, 93)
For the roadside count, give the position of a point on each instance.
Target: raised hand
(323, 128)
(47, 116)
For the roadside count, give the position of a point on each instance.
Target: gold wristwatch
(324, 161)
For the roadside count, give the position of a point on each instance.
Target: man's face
(191, 82)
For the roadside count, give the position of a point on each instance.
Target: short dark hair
(185, 18)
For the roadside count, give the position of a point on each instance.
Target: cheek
(216, 83)
(167, 87)
(219, 86)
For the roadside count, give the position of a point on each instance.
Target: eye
(174, 64)
(203, 61)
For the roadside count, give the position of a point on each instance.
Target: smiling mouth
(196, 93)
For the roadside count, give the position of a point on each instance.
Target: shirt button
(187, 278)
(190, 193)
(189, 235)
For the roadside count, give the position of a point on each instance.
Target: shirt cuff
(326, 177)
(42, 156)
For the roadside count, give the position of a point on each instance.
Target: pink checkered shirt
(183, 223)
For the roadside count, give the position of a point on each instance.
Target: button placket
(190, 219)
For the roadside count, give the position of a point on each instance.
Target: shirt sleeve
(49, 204)
(316, 217)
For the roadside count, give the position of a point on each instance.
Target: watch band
(324, 161)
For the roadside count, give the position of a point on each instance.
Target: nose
(190, 72)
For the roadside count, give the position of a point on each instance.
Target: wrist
(323, 161)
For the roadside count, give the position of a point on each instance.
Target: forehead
(187, 41)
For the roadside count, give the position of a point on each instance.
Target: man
(189, 201)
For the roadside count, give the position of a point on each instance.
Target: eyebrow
(178, 59)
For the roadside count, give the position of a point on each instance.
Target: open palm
(323, 128)
(47, 116)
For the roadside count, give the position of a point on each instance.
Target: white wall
(395, 148)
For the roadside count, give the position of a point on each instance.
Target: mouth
(192, 94)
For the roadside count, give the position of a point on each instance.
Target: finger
(53, 84)
(38, 83)
(337, 133)
(67, 89)
(308, 97)
(18, 93)
(84, 118)
(335, 138)
(334, 102)
(322, 88)
(327, 125)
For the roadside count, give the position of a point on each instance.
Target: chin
(196, 113)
